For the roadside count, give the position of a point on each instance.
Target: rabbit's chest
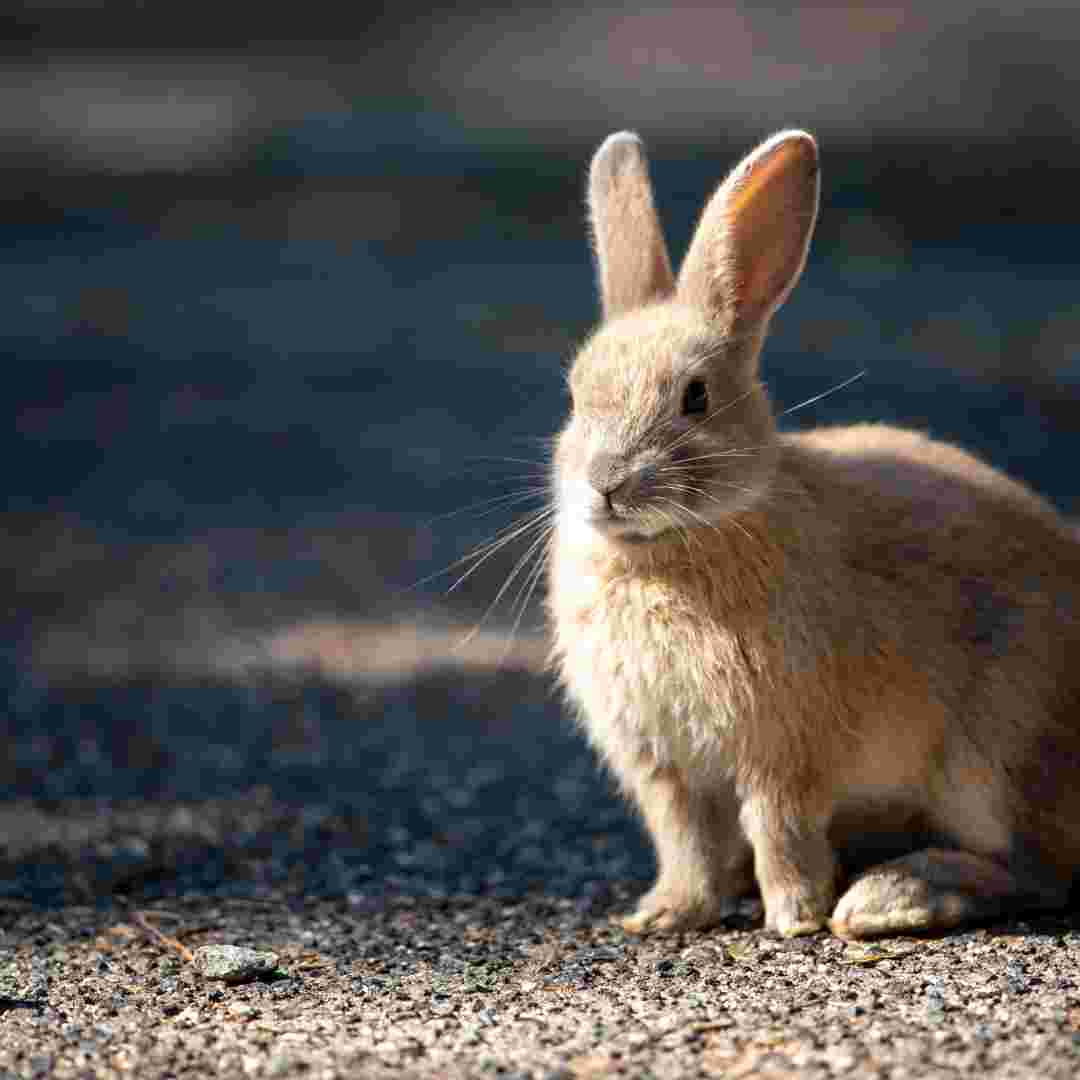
(650, 676)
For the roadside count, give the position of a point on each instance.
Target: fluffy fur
(856, 642)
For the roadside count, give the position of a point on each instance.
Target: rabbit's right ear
(631, 257)
(751, 243)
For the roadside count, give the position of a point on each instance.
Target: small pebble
(233, 963)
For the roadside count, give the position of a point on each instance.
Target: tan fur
(769, 635)
(631, 255)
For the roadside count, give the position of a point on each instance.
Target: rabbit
(788, 646)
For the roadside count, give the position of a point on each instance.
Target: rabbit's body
(782, 643)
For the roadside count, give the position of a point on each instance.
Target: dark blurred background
(283, 288)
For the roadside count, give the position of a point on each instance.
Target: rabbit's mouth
(621, 499)
(638, 524)
(632, 506)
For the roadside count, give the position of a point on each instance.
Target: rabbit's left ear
(750, 246)
(631, 257)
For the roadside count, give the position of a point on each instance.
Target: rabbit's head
(671, 428)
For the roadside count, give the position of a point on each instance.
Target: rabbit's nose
(606, 474)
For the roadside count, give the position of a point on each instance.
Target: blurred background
(283, 294)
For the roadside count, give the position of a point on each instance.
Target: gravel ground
(435, 864)
(538, 987)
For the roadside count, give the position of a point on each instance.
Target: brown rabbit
(784, 644)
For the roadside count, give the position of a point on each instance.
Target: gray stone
(233, 963)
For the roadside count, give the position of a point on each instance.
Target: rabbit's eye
(695, 398)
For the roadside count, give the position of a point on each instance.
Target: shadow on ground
(454, 782)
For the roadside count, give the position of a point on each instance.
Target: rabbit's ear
(751, 243)
(631, 257)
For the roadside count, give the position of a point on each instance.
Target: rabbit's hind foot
(932, 890)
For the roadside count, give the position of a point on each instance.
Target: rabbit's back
(943, 555)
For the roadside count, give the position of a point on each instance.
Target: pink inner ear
(765, 277)
(769, 226)
(751, 243)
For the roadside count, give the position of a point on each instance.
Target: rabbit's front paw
(793, 914)
(794, 865)
(664, 909)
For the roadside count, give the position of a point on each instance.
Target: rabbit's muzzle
(623, 486)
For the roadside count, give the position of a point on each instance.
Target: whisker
(489, 547)
(744, 451)
(689, 434)
(512, 460)
(676, 524)
(509, 499)
(695, 490)
(518, 566)
(531, 581)
(704, 521)
(536, 440)
(493, 470)
(524, 595)
(499, 545)
(824, 394)
(770, 489)
(728, 519)
(738, 525)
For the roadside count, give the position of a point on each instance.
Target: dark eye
(695, 398)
